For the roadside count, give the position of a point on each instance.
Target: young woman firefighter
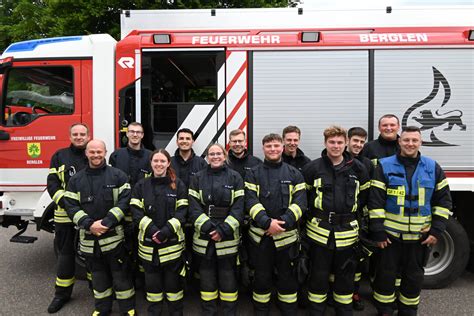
(216, 206)
(159, 207)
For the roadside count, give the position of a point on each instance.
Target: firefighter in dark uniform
(357, 137)
(97, 200)
(134, 159)
(275, 198)
(159, 206)
(338, 187)
(185, 162)
(64, 164)
(292, 155)
(409, 206)
(387, 142)
(216, 206)
(238, 157)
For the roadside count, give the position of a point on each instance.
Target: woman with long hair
(216, 201)
(159, 207)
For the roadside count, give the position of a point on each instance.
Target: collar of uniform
(386, 142)
(272, 164)
(299, 154)
(94, 171)
(77, 150)
(136, 152)
(234, 157)
(161, 180)
(347, 159)
(181, 160)
(215, 170)
(409, 161)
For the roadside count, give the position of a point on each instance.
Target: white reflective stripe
(200, 221)
(441, 211)
(117, 212)
(261, 298)
(144, 223)
(377, 213)
(194, 194)
(175, 223)
(209, 296)
(154, 297)
(384, 298)
(234, 223)
(65, 282)
(137, 202)
(172, 297)
(123, 295)
(78, 216)
(296, 210)
(317, 298)
(104, 294)
(228, 297)
(378, 184)
(342, 299)
(251, 186)
(125, 186)
(58, 195)
(409, 301)
(288, 298)
(181, 202)
(441, 184)
(254, 210)
(72, 195)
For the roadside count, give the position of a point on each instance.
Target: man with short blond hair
(239, 158)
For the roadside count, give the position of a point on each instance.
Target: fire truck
(258, 70)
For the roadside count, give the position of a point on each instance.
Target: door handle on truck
(4, 135)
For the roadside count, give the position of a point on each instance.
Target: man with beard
(239, 159)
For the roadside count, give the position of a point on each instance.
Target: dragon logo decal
(427, 120)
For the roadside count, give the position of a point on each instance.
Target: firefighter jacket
(156, 207)
(216, 202)
(241, 165)
(64, 164)
(336, 196)
(380, 148)
(185, 169)
(98, 194)
(299, 161)
(408, 195)
(135, 163)
(275, 191)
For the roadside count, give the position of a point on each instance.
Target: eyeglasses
(238, 141)
(135, 132)
(215, 154)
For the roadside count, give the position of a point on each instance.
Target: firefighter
(216, 206)
(387, 142)
(409, 206)
(275, 198)
(238, 157)
(185, 162)
(337, 186)
(159, 206)
(97, 200)
(64, 164)
(292, 154)
(134, 159)
(357, 137)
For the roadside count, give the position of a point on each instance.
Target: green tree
(30, 19)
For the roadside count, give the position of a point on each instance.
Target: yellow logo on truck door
(34, 149)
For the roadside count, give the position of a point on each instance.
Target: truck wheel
(448, 258)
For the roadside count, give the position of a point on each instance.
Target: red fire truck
(256, 69)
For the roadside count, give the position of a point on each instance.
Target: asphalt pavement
(27, 274)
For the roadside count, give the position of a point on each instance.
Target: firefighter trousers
(406, 258)
(268, 261)
(111, 274)
(164, 282)
(218, 280)
(66, 259)
(342, 263)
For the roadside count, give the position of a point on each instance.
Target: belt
(333, 218)
(217, 212)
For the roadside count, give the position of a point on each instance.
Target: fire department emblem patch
(34, 149)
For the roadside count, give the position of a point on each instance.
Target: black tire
(448, 258)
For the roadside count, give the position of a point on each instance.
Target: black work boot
(56, 304)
